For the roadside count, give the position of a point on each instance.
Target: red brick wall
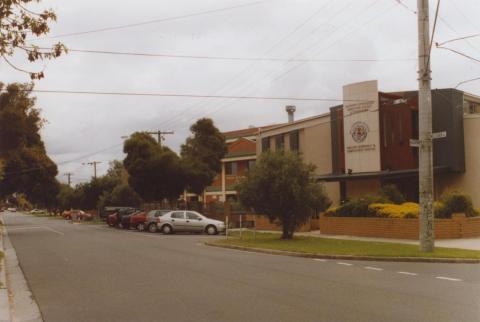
(457, 227)
(263, 223)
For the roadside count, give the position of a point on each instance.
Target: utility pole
(425, 162)
(160, 135)
(94, 164)
(68, 174)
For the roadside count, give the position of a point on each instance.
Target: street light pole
(425, 162)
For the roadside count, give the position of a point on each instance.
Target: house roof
(251, 131)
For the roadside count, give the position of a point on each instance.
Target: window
(294, 141)
(193, 216)
(265, 144)
(471, 107)
(177, 215)
(231, 168)
(250, 164)
(279, 142)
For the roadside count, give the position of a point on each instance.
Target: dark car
(115, 218)
(151, 220)
(107, 211)
(124, 217)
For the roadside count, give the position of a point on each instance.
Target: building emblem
(359, 131)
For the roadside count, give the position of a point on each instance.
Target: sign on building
(361, 127)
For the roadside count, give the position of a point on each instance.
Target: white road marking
(373, 268)
(448, 278)
(37, 227)
(345, 264)
(407, 273)
(319, 260)
(54, 230)
(27, 227)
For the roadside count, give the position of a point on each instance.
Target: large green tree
(282, 187)
(154, 172)
(28, 169)
(17, 26)
(202, 154)
(122, 195)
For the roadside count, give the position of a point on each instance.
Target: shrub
(358, 207)
(456, 201)
(389, 210)
(440, 211)
(391, 193)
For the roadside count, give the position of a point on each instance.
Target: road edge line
(349, 257)
(22, 303)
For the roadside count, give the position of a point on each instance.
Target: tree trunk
(287, 229)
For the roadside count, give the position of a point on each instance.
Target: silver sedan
(189, 221)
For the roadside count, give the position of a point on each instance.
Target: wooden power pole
(68, 174)
(94, 164)
(160, 135)
(425, 143)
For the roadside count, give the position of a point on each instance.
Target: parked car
(78, 214)
(125, 218)
(137, 220)
(114, 219)
(151, 220)
(189, 221)
(12, 209)
(107, 211)
(37, 211)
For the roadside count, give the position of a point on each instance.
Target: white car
(37, 211)
(12, 209)
(189, 221)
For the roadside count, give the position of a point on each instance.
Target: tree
(154, 172)
(18, 24)
(202, 154)
(122, 196)
(282, 187)
(28, 169)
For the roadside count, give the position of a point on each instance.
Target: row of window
(294, 139)
(231, 168)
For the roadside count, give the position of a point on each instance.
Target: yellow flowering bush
(388, 210)
(332, 211)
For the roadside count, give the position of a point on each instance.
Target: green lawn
(330, 246)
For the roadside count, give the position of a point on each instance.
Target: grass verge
(331, 246)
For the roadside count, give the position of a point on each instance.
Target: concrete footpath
(464, 243)
(17, 303)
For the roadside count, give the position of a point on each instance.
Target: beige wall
(468, 182)
(315, 146)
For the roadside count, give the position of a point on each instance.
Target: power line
(467, 81)
(201, 13)
(459, 53)
(249, 66)
(187, 95)
(230, 58)
(331, 17)
(457, 39)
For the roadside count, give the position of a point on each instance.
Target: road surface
(80, 272)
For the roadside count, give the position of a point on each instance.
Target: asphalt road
(83, 272)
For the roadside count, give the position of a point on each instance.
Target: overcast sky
(79, 126)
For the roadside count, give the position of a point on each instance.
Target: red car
(78, 214)
(138, 220)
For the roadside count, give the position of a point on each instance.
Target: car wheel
(152, 228)
(141, 226)
(167, 229)
(211, 230)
